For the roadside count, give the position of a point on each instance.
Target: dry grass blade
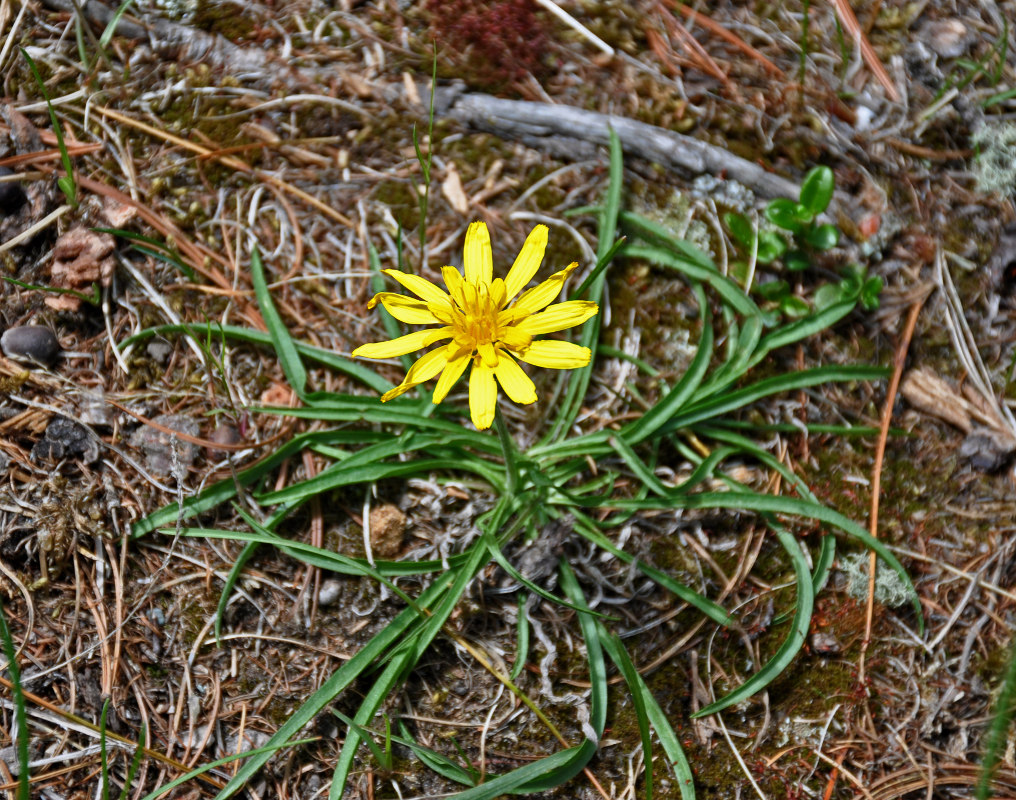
(714, 27)
(853, 28)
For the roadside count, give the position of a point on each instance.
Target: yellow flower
(484, 326)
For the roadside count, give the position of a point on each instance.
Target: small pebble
(164, 452)
(329, 592)
(387, 526)
(12, 195)
(33, 343)
(224, 434)
(159, 350)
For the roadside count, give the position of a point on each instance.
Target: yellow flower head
(484, 327)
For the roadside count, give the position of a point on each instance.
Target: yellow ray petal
(425, 368)
(482, 395)
(405, 309)
(555, 355)
(453, 280)
(404, 344)
(546, 292)
(514, 381)
(528, 261)
(558, 317)
(488, 353)
(451, 374)
(421, 287)
(514, 339)
(479, 260)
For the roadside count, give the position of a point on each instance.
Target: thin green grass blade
(606, 235)
(103, 754)
(587, 528)
(729, 291)
(601, 264)
(654, 232)
(262, 752)
(665, 733)
(1000, 723)
(789, 506)
(285, 347)
(367, 473)
(598, 694)
(132, 771)
(498, 557)
(340, 679)
(381, 687)
(726, 402)
(802, 329)
(339, 363)
(438, 762)
(686, 388)
(638, 466)
(637, 690)
(110, 29)
(366, 736)
(408, 412)
(410, 650)
(224, 490)
(794, 641)
(522, 640)
(67, 184)
(552, 770)
(21, 745)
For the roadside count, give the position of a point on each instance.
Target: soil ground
(205, 126)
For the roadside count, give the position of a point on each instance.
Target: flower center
(475, 323)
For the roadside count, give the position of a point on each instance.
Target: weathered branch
(571, 132)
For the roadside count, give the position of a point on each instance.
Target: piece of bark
(927, 392)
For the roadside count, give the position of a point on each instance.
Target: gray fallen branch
(573, 132)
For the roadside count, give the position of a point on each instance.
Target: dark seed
(32, 343)
(12, 195)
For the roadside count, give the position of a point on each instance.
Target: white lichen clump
(890, 590)
(995, 164)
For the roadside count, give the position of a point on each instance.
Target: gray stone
(33, 343)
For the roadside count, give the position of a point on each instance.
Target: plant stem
(509, 450)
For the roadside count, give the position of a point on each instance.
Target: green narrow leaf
(132, 771)
(794, 641)
(21, 745)
(283, 343)
(650, 422)
(66, 183)
(638, 692)
(606, 237)
(394, 631)
(333, 360)
(522, 641)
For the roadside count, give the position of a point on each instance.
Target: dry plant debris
(202, 129)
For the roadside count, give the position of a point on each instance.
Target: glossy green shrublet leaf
(870, 291)
(823, 237)
(827, 295)
(771, 246)
(796, 261)
(772, 318)
(740, 228)
(817, 190)
(794, 307)
(772, 290)
(783, 213)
